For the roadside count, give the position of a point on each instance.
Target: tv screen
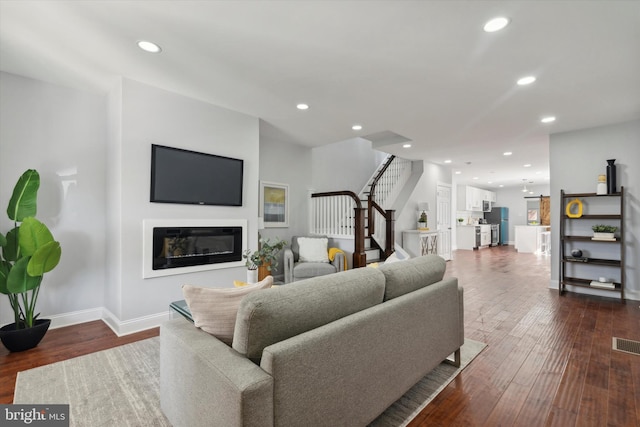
(189, 177)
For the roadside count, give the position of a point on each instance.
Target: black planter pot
(23, 339)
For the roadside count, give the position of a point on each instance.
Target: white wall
(150, 115)
(61, 133)
(425, 191)
(289, 164)
(345, 165)
(577, 158)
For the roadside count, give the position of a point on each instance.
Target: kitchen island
(532, 239)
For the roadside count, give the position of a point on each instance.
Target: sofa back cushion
(410, 275)
(265, 318)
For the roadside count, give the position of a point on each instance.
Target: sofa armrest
(289, 262)
(339, 262)
(204, 382)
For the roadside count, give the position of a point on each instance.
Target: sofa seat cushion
(304, 270)
(214, 309)
(265, 318)
(412, 274)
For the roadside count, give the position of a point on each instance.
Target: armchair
(309, 257)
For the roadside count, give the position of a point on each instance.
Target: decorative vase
(263, 271)
(601, 188)
(252, 276)
(23, 339)
(611, 176)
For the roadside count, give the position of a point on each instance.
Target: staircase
(341, 214)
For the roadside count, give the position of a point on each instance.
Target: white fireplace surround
(147, 244)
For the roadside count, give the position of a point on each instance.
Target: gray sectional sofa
(335, 350)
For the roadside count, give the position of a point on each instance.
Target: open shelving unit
(576, 271)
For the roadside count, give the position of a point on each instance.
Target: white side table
(419, 243)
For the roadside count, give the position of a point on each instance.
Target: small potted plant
(422, 221)
(264, 260)
(28, 251)
(604, 232)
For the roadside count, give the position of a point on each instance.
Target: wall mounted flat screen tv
(189, 177)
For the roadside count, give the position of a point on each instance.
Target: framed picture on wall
(274, 204)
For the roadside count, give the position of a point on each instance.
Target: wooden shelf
(595, 217)
(567, 240)
(594, 261)
(588, 239)
(570, 195)
(586, 283)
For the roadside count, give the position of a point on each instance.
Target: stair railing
(340, 214)
(381, 221)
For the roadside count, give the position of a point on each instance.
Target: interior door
(444, 220)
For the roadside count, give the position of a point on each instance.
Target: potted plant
(422, 221)
(265, 258)
(28, 251)
(602, 231)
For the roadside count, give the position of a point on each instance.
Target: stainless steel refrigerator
(499, 216)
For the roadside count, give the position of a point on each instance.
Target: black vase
(23, 339)
(611, 177)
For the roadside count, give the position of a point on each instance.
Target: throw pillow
(214, 310)
(313, 249)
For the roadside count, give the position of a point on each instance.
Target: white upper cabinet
(470, 198)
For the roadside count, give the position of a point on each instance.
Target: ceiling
(424, 70)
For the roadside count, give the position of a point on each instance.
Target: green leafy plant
(28, 251)
(602, 228)
(265, 256)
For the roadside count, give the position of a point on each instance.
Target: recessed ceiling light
(447, 161)
(530, 192)
(475, 177)
(501, 185)
(528, 165)
(356, 127)
(302, 106)
(149, 46)
(507, 153)
(406, 145)
(458, 172)
(526, 80)
(489, 182)
(548, 119)
(496, 24)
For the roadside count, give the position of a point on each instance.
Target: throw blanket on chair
(332, 255)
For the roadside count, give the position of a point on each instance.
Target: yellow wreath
(570, 205)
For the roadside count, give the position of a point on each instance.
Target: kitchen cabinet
(470, 198)
(485, 235)
(599, 258)
(467, 236)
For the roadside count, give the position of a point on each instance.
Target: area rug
(121, 387)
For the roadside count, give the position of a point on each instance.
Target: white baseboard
(75, 317)
(127, 327)
(119, 327)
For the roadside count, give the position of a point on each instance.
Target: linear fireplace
(183, 246)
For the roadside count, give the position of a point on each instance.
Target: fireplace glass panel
(175, 247)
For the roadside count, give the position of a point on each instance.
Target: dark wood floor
(548, 362)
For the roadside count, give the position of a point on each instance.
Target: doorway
(443, 213)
